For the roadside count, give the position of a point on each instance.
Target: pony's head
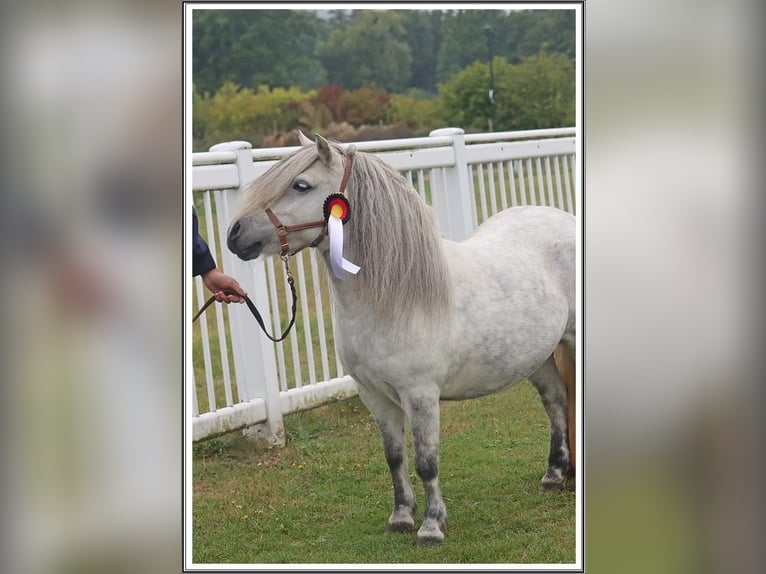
(292, 194)
(391, 234)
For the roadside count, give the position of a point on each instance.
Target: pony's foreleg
(391, 422)
(423, 412)
(402, 518)
(553, 393)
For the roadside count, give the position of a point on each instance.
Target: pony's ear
(323, 148)
(303, 138)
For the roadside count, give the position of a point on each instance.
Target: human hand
(224, 287)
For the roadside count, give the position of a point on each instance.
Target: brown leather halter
(283, 230)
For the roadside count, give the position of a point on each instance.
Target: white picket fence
(247, 382)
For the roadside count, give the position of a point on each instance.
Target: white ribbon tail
(337, 262)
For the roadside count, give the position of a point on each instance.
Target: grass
(326, 496)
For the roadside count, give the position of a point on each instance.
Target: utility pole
(493, 120)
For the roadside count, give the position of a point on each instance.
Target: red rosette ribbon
(336, 205)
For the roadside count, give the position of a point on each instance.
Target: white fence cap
(446, 132)
(231, 146)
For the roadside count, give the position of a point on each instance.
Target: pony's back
(527, 225)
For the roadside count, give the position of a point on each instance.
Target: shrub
(365, 105)
(234, 113)
(420, 115)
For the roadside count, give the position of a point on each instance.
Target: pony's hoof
(430, 540)
(552, 484)
(402, 519)
(400, 527)
(430, 536)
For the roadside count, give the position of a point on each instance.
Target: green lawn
(326, 496)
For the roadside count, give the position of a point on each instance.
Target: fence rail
(240, 379)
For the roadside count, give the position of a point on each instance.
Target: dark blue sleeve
(202, 258)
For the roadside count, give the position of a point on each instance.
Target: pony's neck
(392, 235)
(351, 301)
(345, 295)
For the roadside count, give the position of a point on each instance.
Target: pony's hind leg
(549, 384)
(563, 356)
(391, 422)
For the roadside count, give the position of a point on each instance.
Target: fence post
(455, 206)
(254, 352)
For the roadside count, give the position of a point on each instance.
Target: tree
(423, 36)
(539, 92)
(465, 97)
(254, 47)
(551, 31)
(394, 49)
(463, 40)
(369, 49)
(516, 34)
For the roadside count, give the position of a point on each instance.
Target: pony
(426, 319)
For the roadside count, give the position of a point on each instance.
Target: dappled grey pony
(419, 318)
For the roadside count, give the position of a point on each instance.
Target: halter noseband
(283, 230)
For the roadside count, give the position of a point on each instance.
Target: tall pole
(493, 121)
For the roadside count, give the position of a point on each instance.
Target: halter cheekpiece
(283, 230)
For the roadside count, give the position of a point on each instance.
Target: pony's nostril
(231, 240)
(234, 231)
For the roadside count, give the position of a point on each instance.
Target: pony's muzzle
(237, 244)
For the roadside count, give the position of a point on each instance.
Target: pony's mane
(394, 238)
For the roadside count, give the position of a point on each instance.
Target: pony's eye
(301, 186)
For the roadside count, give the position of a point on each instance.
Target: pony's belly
(461, 368)
(472, 381)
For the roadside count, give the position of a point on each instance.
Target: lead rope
(254, 310)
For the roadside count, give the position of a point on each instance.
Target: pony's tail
(565, 364)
